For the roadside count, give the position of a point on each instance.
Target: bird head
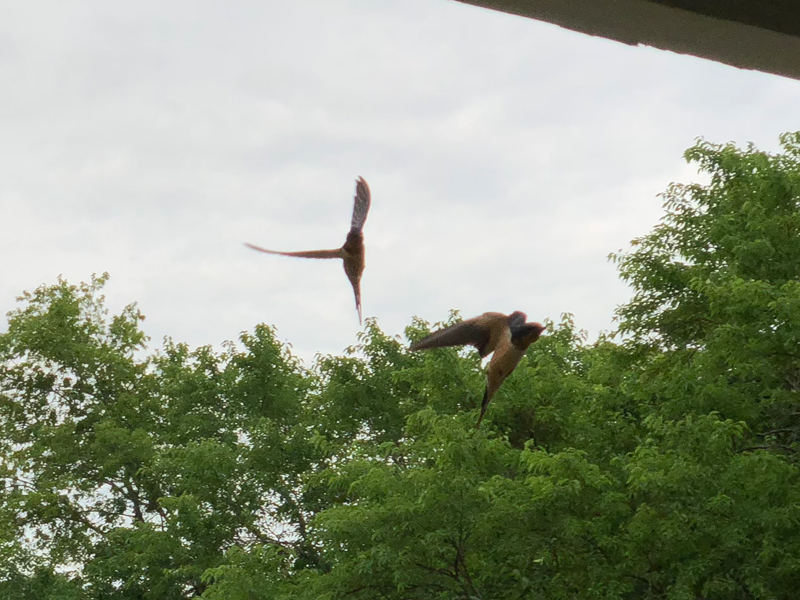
(524, 335)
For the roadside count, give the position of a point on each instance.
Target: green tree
(717, 292)
(133, 474)
(656, 463)
(659, 467)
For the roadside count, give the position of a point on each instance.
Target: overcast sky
(506, 158)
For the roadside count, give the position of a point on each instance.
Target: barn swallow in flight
(508, 336)
(352, 253)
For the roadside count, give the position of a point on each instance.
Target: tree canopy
(659, 462)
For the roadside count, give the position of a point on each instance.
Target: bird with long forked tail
(352, 252)
(508, 336)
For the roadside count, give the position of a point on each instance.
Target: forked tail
(357, 290)
(484, 404)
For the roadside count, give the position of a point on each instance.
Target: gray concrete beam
(763, 35)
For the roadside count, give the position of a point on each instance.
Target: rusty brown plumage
(352, 252)
(508, 336)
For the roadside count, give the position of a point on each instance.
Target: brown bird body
(508, 336)
(352, 252)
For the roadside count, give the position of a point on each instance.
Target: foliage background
(657, 462)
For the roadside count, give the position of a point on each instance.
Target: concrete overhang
(763, 35)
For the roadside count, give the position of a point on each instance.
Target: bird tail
(484, 405)
(303, 253)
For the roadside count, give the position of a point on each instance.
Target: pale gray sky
(506, 158)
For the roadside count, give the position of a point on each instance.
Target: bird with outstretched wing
(352, 252)
(508, 336)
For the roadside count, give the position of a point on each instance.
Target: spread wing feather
(474, 332)
(460, 334)
(303, 253)
(482, 332)
(361, 205)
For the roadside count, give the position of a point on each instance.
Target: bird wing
(361, 205)
(303, 253)
(478, 332)
(516, 320)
